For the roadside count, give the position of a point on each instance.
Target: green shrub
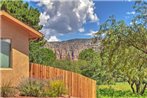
(74, 66)
(39, 54)
(109, 92)
(113, 93)
(55, 89)
(42, 88)
(31, 87)
(7, 91)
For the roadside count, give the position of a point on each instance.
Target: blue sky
(118, 8)
(122, 10)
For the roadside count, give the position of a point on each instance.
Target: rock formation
(70, 49)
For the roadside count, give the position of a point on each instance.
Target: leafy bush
(55, 89)
(74, 66)
(42, 88)
(109, 92)
(7, 91)
(31, 87)
(87, 54)
(112, 92)
(39, 54)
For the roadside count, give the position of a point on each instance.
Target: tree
(125, 48)
(140, 8)
(121, 54)
(139, 25)
(87, 54)
(137, 39)
(39, 54)
(22, 11)
(93, 69)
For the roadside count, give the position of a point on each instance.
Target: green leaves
(23, 12)
(88, 55)
(124, 51)
(39, 54)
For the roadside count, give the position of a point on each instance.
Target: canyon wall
(70, 49)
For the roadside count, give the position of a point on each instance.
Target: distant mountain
(70, 49)
(71, 40)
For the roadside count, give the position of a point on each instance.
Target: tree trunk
(131, 84)
(137, 87)
(143, 90)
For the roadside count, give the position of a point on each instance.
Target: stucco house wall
(19, 60)
(19, 53)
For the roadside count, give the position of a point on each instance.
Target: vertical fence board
(77, 85)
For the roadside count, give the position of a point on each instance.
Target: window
(5, 49)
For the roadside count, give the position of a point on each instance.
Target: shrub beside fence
(77, 85)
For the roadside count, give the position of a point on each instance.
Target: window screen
(5, 49)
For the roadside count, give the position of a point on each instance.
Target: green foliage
(94, 68)
(124, 49)
(39, 54)
(74, 66)
(117, 90)
(42, 88)
(56, 89)
(140, 7)
(121, 54)
(22, 11)
(31, 87)
(7, 91)
(112, 92)
(124, 53)
(124, 86)
(108, 92)
(88, 55)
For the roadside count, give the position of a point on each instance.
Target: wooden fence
(78, 86)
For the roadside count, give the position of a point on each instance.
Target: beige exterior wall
(19, 52)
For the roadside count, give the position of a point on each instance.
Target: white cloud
(130, 0)
(81, 30)
(131, 13)
(91, 33)
(131, 23)
(53, 39)
(43, 18)
(62, 16)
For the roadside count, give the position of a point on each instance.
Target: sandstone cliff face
(70, 49)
